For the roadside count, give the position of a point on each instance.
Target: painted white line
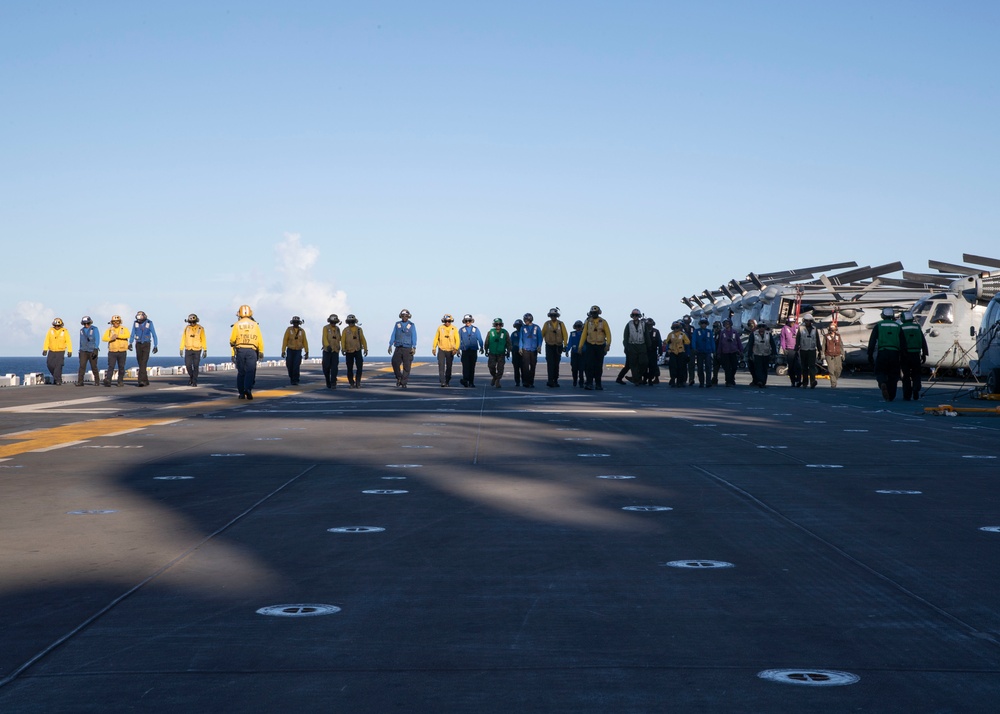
(58, 446)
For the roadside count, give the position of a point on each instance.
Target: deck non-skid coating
(514, 573)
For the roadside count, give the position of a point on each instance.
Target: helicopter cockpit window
(943, 314)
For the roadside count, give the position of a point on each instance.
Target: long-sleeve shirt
(143, 332)
(117, 338)
(446, 338)
(353, 339)
(90, 339)
(294, 339)
(404, 334)
(469, 338)
(596, 332)
(554, 333)
(246, 335)
(57, 339)
(193, 338)
(574, 340)
(787, 338)
(531, 338)
(703, 340)
(331, 338)
(677, 342)
(729, 342)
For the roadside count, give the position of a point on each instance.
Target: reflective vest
(913, 339)
(888, 335)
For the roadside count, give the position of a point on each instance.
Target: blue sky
(317, 157)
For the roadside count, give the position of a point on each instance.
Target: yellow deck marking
(60, 436)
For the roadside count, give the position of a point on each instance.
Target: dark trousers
(792, 362)
(652, 366)
(678, 369)
(54, 363)
(331, 366)
(887, 372)
(192, 360)
(553, 355)
(593, 363)
(703, 363)
(496, 364)
(402, 358)
(518, 364)
(910, 364)
(293, 362)
(729, 363)
(142, 357)
(760, 365)
(115, 359)
(354, 359)
(576, 367)
(636, 358)
(529, 360)
(808, 360)
(246, 369)
(88, 358)
(445, 360)
(469, 357)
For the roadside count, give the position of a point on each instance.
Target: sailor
(90, 346)
(595, 341)
(687, 325)
(748, 330)
(529, 347)
(833, 350)
(294, 345)
(515, 351)
(445, 346)
(247, 346)
(914, 354)
(635, 340)
(470, 342)
(57, 346)
(117, 337)
(331, 351)
(143, 336)
(676, 345)
(497, 348)
(730, 348)
(575, 358)
(193, 348)
(716, 364)
(786, 341)
(402, 347)
(653, 348)
(355, 350)
(703, 346)
(554, 336)
(886, 340)
(809, 348)
(762, 350)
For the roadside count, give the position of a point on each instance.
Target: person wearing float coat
(886, 340)
(117, 337)
(355, 350)
(809, 349)
(761, 349)
(914, 354)
(554, 336)
(402, 347)
(90, 347)
(470, 342)
(57, 347)
(193, 348)
(247, 344)
(445, 347)
(833, 349)
(331, 351)
(293, 346)
(143, 336)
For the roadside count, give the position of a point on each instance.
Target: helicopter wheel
(781, 370)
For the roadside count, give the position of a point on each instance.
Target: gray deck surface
(508, 576)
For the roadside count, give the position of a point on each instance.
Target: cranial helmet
(907, 316)
(650, 321)
(351, 319)
(468, 318)
(86, 320)
(727, 322)
(554, 313)
(528, 316)
(578, 325)
(57, 322)
(192, 319)
(244, 311)
(887, 313)
(404, 314)
(115, 319)
(703, 321)
(296, 320)
(498, 321)
(636, 313)
(140, 316)
(807, 317)
(594, 310)
(675, 325)
(686, 318)
(518, 324)
(333, 319)
(445, 317)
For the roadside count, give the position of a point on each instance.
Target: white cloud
(294, 290)
(24, 326)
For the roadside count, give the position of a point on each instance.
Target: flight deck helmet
(116, 320)
(518, 324)
(86, 320)
(192, 319)
(445, 318)
(578, 325)
(594, 311)
(528, 317)
(404, 314)
(296, 320)
(351, 319)
(140, 316)
(57, 322)
(907, 316)
(333, 319)
(244, 311)
(636, 314)
(468, 318)
(554, 313)
(887, 313)
(497, 322)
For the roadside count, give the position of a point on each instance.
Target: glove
(434, 353)
(155, 350)
(923, 358)
(482, 352)
(233, 359)
(130, 348)
(282, 355)
(413, 351)
(366, 353)
(390, 350)
(305, 356)
(204, 354)
(44, 352)
(182, 353)
(70, 353)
